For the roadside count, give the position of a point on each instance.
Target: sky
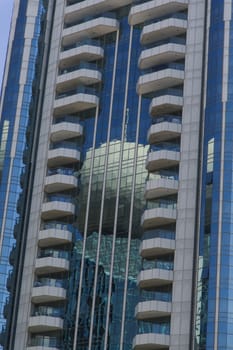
(6, 7)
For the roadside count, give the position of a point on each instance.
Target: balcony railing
(53, 253)
(67, 118)
(79, 90)
(72, 2)
(176, 66)
(155, 327)
(59, 198)
(48, 311)
(50, 282)
(157, 264)
(59, 226)
(163, 174)
(81, 65)
(91, 42)
(45, 341)
(165, 146)
(166, 234)
(161, 203)
(171, 40)
(159, 296)
(170, 91)
(65, 144)
(166, 118)
(111, 15)
(177, 15)
(62, 171)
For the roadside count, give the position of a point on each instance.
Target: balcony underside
(154, 278)
(155, 9)
(45, 324)
(166, 78)
(160, 188)
(62, 156)
(47, 294)
(75, 103)
(162, 30)
(163, 131)
(165, 104)
(91, 29)
(59, 183)
(152, 309)
(88, 8)
(153, 218)
(162, 159)
(65, 130)
(51, 265)
(151, 341)
(155, 247)
(56, 209)
(86, 52)
(161, 55)
(79, 77)
(54, 237)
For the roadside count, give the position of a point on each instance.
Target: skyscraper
(116, 176)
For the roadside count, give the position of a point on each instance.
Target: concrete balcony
(151, 341)
(154, 278)
(78, 10)
(155, 9)
(39, 324)
(57, 209)
(65, 130)
(51, 265)
(163, 79)
(152, 309)
(89, 29)
(60, 182)
(163, 29)
(154, 247)
(62, 156)
(48, 290)
(85, 51)
(160, 187)
(163, 131)
(165, 104)
(155, 217)
(162, 159)
(161, 54)
(54, 237)
(70, 80)
(75, 102)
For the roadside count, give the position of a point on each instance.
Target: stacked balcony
(162, 64)
(48, 295)
(89, 27)
(87, 50)
(175, 25)
(153, 9)
(77, 10)
(47, 289)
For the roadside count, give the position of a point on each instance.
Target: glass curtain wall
(105, 258)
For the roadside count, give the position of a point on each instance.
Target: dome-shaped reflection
(114, 160)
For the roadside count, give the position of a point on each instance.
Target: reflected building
(116, 176)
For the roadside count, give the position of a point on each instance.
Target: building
(116, 176)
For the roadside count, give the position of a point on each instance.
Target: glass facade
(111, 81)
(214, 301)
(106, 252)
(17, 137)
